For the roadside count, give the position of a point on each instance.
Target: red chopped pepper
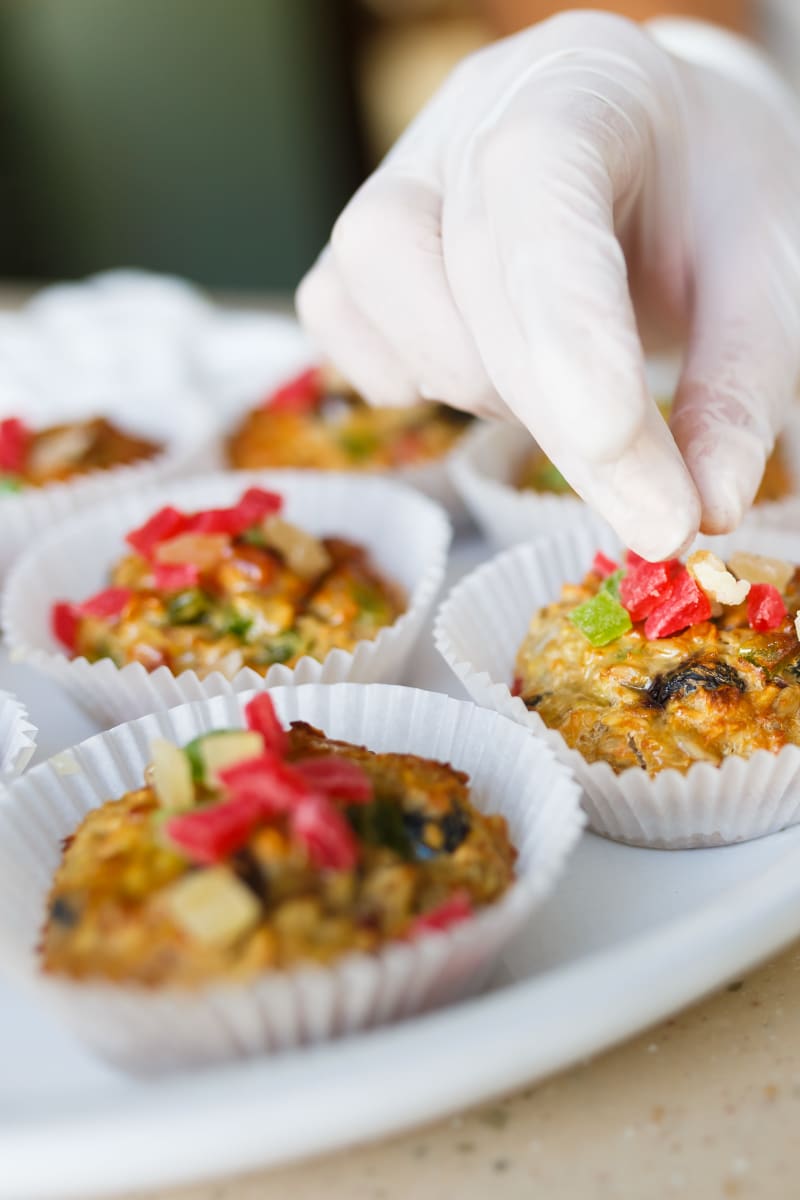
(450, 912)
(256, 504)
(604, 566)
(325, 833)
(107, 604)
(646, 585)
(300, 395)
(336, 778)
(174, 577)
(765, 607)
(167, 523)
(261, 716)
(64, 623)
(687, 604)
(271, 784)
(14, 441)
(210, 520)
(209, 835)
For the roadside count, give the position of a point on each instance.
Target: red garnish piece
(646, 585)
(209, 835)
(261, 716)
(336, 778)
(256, 504)
(324, 831)
(174, 577)
(632, 559)
(266, 781)
(765, 607)
(107, 604)
(687, 604)
(64, 623)
(167, 523)
(15, 438)
(516, 686)
(210, 520)
(603, 566)
(457, 908)
(300, 395)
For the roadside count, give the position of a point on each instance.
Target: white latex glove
(570, 192)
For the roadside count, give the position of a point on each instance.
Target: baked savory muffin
(33, 458)
(316, 421)
(258, 849)
(229, 588)
(658, 665)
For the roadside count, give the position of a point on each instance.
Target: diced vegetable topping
(715, 579)
(765, 607)
(64, 623)
(450, 912)
(756, 568)
(267, 782)
(337, 778)
(209, 835)
(603, 566)
(201, 550)
(601, 620)
(167, 523)
(213, 906)
(223, 750)
(108, 604)
(299, 395)
(325, 833)
(175, 577)
(302, 552)
(261, 716)
(686, 604)
(14, 441)
(611, 583)
(646, 585)
(172, 777)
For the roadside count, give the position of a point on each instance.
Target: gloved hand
(569, 193)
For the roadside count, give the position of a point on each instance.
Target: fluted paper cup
(407, 535)
(148, 1030)
(177, 420)
(479, 629)
(17, 737)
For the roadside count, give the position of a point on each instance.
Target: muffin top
(657, 665)
(317, 421)
(264, 848)
(229, 588)
(33, 458)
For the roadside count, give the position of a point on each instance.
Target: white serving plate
(628, 937)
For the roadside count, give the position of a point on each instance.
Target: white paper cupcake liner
(176, 419)
(486, 463)
(407, 535)
(17, 737)
(478, 631)
(146, 1030)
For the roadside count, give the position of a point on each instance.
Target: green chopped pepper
(187, 607)
(602, 619)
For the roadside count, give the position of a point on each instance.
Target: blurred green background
(213, 138)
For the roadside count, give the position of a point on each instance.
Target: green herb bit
(194, 752)
(236, 623)
(381, 824)
(611, 582)
(601, 620)
(254, 536)
(358, 444)
(187, 607)
(280, 648)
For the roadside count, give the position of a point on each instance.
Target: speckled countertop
(705, 1105)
